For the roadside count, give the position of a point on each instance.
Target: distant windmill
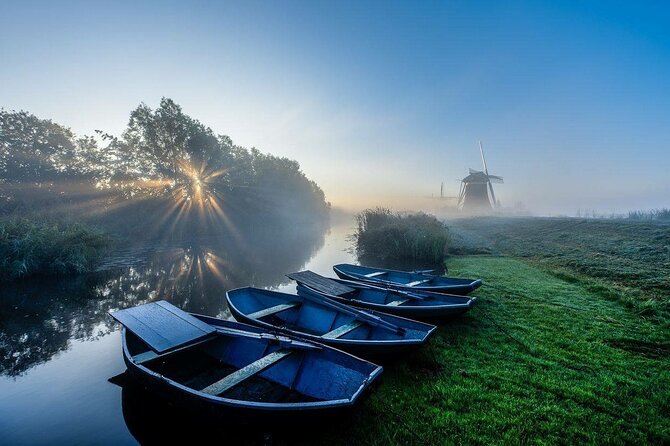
(475, 188)
(442, 197)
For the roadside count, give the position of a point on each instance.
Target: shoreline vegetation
(30, 247)
(383, 237)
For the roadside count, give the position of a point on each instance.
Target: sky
(379, 102)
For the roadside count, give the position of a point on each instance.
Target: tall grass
(385, 236)
(654, 214)
(30, 247)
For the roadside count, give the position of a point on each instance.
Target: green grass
(29, 247)
(539, 360)
(568, 344)
(623, 260)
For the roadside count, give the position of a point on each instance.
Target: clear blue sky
(378, 101)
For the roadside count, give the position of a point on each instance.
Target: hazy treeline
(662, 214)
(165, 174)
(654, 214)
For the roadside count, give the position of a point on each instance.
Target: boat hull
(443, 285)
(241, 410)
(370, 349)
(436, 311)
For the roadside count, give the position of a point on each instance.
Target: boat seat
(246, 372)
(417, 282)
(396, 303)
(149, 355)
(375, 274)
(273, 310)
(342, 330)
(144, 357)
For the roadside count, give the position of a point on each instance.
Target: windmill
(475, 188)
(442, 197)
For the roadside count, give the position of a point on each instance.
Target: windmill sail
(475, 188)
(486, 170)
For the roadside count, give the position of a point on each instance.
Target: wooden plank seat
(396, 303)
(144, 357)
(149, 355)
(342, 330)
(418, 282)
(245, 372)
(273, 310)
(375, 274)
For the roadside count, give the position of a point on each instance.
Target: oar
(327, 300)
(410, 294)
(387, 288)
(282, 340)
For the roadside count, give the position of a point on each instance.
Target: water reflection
(41, 317)
(152, 420)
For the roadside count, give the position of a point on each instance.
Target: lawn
(622, 260)
(540, 359)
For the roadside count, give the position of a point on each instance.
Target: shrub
(30, 247)
(384, 236)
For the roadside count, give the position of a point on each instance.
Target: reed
(654, 214)
(31, 247)
(384, 236)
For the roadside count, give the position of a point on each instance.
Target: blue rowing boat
(406, 280)
(418, 304)
(319, 319)
(208, 363)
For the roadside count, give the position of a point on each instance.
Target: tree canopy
(162, 153)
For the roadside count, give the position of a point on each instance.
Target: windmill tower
(475, 189)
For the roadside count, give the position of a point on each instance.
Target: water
(59, 349)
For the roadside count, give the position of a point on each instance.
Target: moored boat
(313, 317)
(406, 280)
(228, 367)
(417, 304)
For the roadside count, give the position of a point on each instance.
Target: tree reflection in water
(41, 316)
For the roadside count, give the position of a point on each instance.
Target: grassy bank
(29, 247)
(540, 359)
(383, 237)
(627, 261)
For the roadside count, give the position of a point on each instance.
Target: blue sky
(378, 101)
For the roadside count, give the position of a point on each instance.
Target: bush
(41, 247)
(384, 236)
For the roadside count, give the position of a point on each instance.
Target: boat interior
(258, 370)
(298, 314)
